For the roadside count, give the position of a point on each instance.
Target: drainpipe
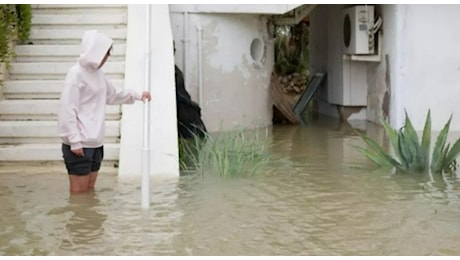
(186, 40)
(200, 65)
(145, 184)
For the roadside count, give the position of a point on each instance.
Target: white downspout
(145, 185)
(200, 65)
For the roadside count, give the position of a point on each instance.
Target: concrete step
(73, 35)
(78, 8)
(64, 41)
(76, 33)
(81, 19)
(41, 110)
(20, 132)
(38, 89)
(48, 152)
(60, 53)
(57, 70)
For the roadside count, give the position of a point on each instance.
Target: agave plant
(411, 155)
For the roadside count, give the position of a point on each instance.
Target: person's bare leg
(78, 184)
(92, 180)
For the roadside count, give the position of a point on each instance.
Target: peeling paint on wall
(378, 91)
(235, 92)
(387, 95)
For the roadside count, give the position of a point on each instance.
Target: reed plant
(227, 154)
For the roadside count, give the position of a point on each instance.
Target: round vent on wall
(347, 31)
(257, 52)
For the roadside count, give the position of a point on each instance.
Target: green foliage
(227, 154)
(444, 157)
(291, 49)
(15, 23)
(411, 155)
(24, 21)
(7, 22)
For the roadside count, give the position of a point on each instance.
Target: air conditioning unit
(358, 22)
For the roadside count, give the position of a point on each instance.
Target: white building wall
(238, 8)
(420, 67)
(346, 85)
(430, 77)
(385, 78)
(234, 90)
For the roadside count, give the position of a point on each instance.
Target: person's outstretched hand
(146, 96)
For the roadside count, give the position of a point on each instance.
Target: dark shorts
(84, 165)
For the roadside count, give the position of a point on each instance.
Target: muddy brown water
(329, 200)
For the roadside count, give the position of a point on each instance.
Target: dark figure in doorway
(189, 123)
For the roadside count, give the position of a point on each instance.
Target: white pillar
(164, 159)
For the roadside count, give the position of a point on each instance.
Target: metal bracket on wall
(294, 16)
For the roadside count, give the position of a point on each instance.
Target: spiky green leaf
(436, 158)
(452, 154)
(411, 141)
(426, 139)
(406, 155)
(378, 159)
(393, 136)
(380, 151)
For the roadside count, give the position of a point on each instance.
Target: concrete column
(163, 121)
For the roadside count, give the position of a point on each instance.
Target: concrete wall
(235, 89)
(419, 70)
(430, 65)
(239, 8)
(318, 48)
(345, 94)
(384, 77)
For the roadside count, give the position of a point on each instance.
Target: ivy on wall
(15, 23)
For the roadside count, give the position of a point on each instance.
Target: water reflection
(85, 226)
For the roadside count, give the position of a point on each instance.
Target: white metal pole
(145, 185)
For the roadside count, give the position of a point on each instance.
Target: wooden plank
(282, 101)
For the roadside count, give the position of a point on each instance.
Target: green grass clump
(227, 154)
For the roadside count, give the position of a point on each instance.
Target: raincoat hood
(94, 47)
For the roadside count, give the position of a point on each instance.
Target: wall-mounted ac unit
(358, 22)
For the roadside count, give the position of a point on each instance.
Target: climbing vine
(24, 16)
(15, 23)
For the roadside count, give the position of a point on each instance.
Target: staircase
(28, 112)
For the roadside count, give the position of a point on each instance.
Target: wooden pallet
(283, 102)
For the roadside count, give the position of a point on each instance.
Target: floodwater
(329, 200)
